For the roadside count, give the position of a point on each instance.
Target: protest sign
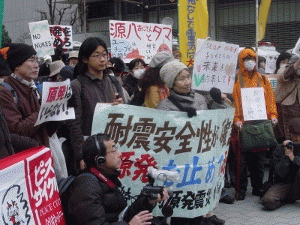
(28, 189)
(54, 102)
(215, 66)
(253, 103)
(193, 21)
(61, 34)
(195, 147)
(270, 63)
(296, 49)
(130, 40)
(41, 38)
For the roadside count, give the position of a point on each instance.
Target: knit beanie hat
(161, 58)
(170, 70)
(17, 54)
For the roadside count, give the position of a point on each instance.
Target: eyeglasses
(99, 56)
(33, 59)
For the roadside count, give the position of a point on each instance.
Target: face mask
(138, 73)
(249, 65)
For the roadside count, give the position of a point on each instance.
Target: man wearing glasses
(19, 96)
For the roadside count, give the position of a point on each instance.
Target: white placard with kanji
(131, 40)
(270, 63)
(55, 102)
(62, 34)
(215, 66)
(253, 103)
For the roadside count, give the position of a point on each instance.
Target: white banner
(41, 38)
(215, 66)
(195, 147)
(130, 40)
(54, 102)
(254, 105)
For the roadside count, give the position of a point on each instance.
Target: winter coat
(94, 91)
(22, 116)
(287, 91)
(10, 142)
(252, 82)
(92, 202)
(130, 84)
(285, 169)
(193, 99)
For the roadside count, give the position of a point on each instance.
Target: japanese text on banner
(215, 66)
(54, 102)
(196, 147)
(130, 40)
(61, 35)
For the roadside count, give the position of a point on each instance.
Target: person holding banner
(19, 96)
(248, 77)
(94, 195)
(177, 77)
(93, 85)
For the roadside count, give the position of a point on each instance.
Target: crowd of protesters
(164, 84)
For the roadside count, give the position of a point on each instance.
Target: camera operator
(287, 171)
(94, 196)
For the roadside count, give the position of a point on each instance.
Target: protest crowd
(88, 163)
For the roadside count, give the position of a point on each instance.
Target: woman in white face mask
(136, 70)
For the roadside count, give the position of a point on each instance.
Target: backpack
(138, 98)
(12, 91)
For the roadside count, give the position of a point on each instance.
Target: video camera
(152, 191)
(291, 145)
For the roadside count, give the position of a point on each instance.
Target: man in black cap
(286, 188)
(19, 96)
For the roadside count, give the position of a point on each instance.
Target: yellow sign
(263, 18)
(193, 24)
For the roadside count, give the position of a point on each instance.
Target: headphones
(100, 160)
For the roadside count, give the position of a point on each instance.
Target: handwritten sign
(271, 63)
(215, 66)
(54, 102)
(28, 189)
(296, 49)
(253, 102)
(195, 147)
(41, 38)
(62, 34)
(130, 40)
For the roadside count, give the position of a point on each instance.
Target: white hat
(73, 54)
(170, 70)
(56, 67)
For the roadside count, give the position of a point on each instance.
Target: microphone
(163, 175)
(215, 93)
